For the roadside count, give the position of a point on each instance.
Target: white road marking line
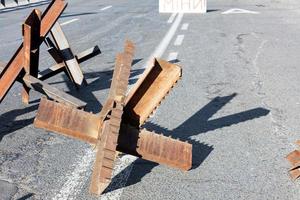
(239, 11)
(172, 56)
(161, 48)
(179, 40)
(171, 18)
(185, 26)
(68, 22)
(105, 8)
(75, 180)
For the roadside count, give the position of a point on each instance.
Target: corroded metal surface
(66, 120)
(155, 147)
(70, 61)
(110, 119)
(150, 91)
(23, 66)
(10, 73)
(31, 33)
(114, 128)
(294, 159)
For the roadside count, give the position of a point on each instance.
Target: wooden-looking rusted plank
(52, 92)
(155, 147)
(60, 66)
(106, 151)
(31, 35)
(120, 78)
(70, 61)
(294, 159)
(67, 120)
(100, 177)
(155, 85)
(10, 73)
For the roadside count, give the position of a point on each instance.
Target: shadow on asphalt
(8, 123)
(77, 14)
(28, 196)
(174, 61)
(197, 124)
(212, 10)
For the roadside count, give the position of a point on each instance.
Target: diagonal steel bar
(70, 61)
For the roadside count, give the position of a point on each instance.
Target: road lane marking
(239, 11)
(172, 56)
(179, 40)
(161, 48)
(171, 18)
(68, 22)
(105, 8)
(77, 178)
(185, 26)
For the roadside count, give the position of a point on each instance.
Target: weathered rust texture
(52, 92)
(70, 62)
(113, 129)
(150, 91)
(23, 66)
(31, 34)
(66, 120)
(101, 175)
(112, 116)
(14, 67)
(106, 151)
(294, 159)
(155, 147)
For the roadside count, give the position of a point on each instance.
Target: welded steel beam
(31, 35)
(69, 59)
(114, 128)
(15, 66)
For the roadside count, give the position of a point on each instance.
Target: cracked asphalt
(238, 103)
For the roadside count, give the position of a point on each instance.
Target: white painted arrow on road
(239, 11)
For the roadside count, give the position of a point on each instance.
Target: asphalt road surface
(238, 102)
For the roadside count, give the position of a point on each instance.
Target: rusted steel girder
(15, 66)
(31, 33)
(294, 159)
(117, 126)
(23, 66)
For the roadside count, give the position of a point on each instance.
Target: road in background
(237, 102)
